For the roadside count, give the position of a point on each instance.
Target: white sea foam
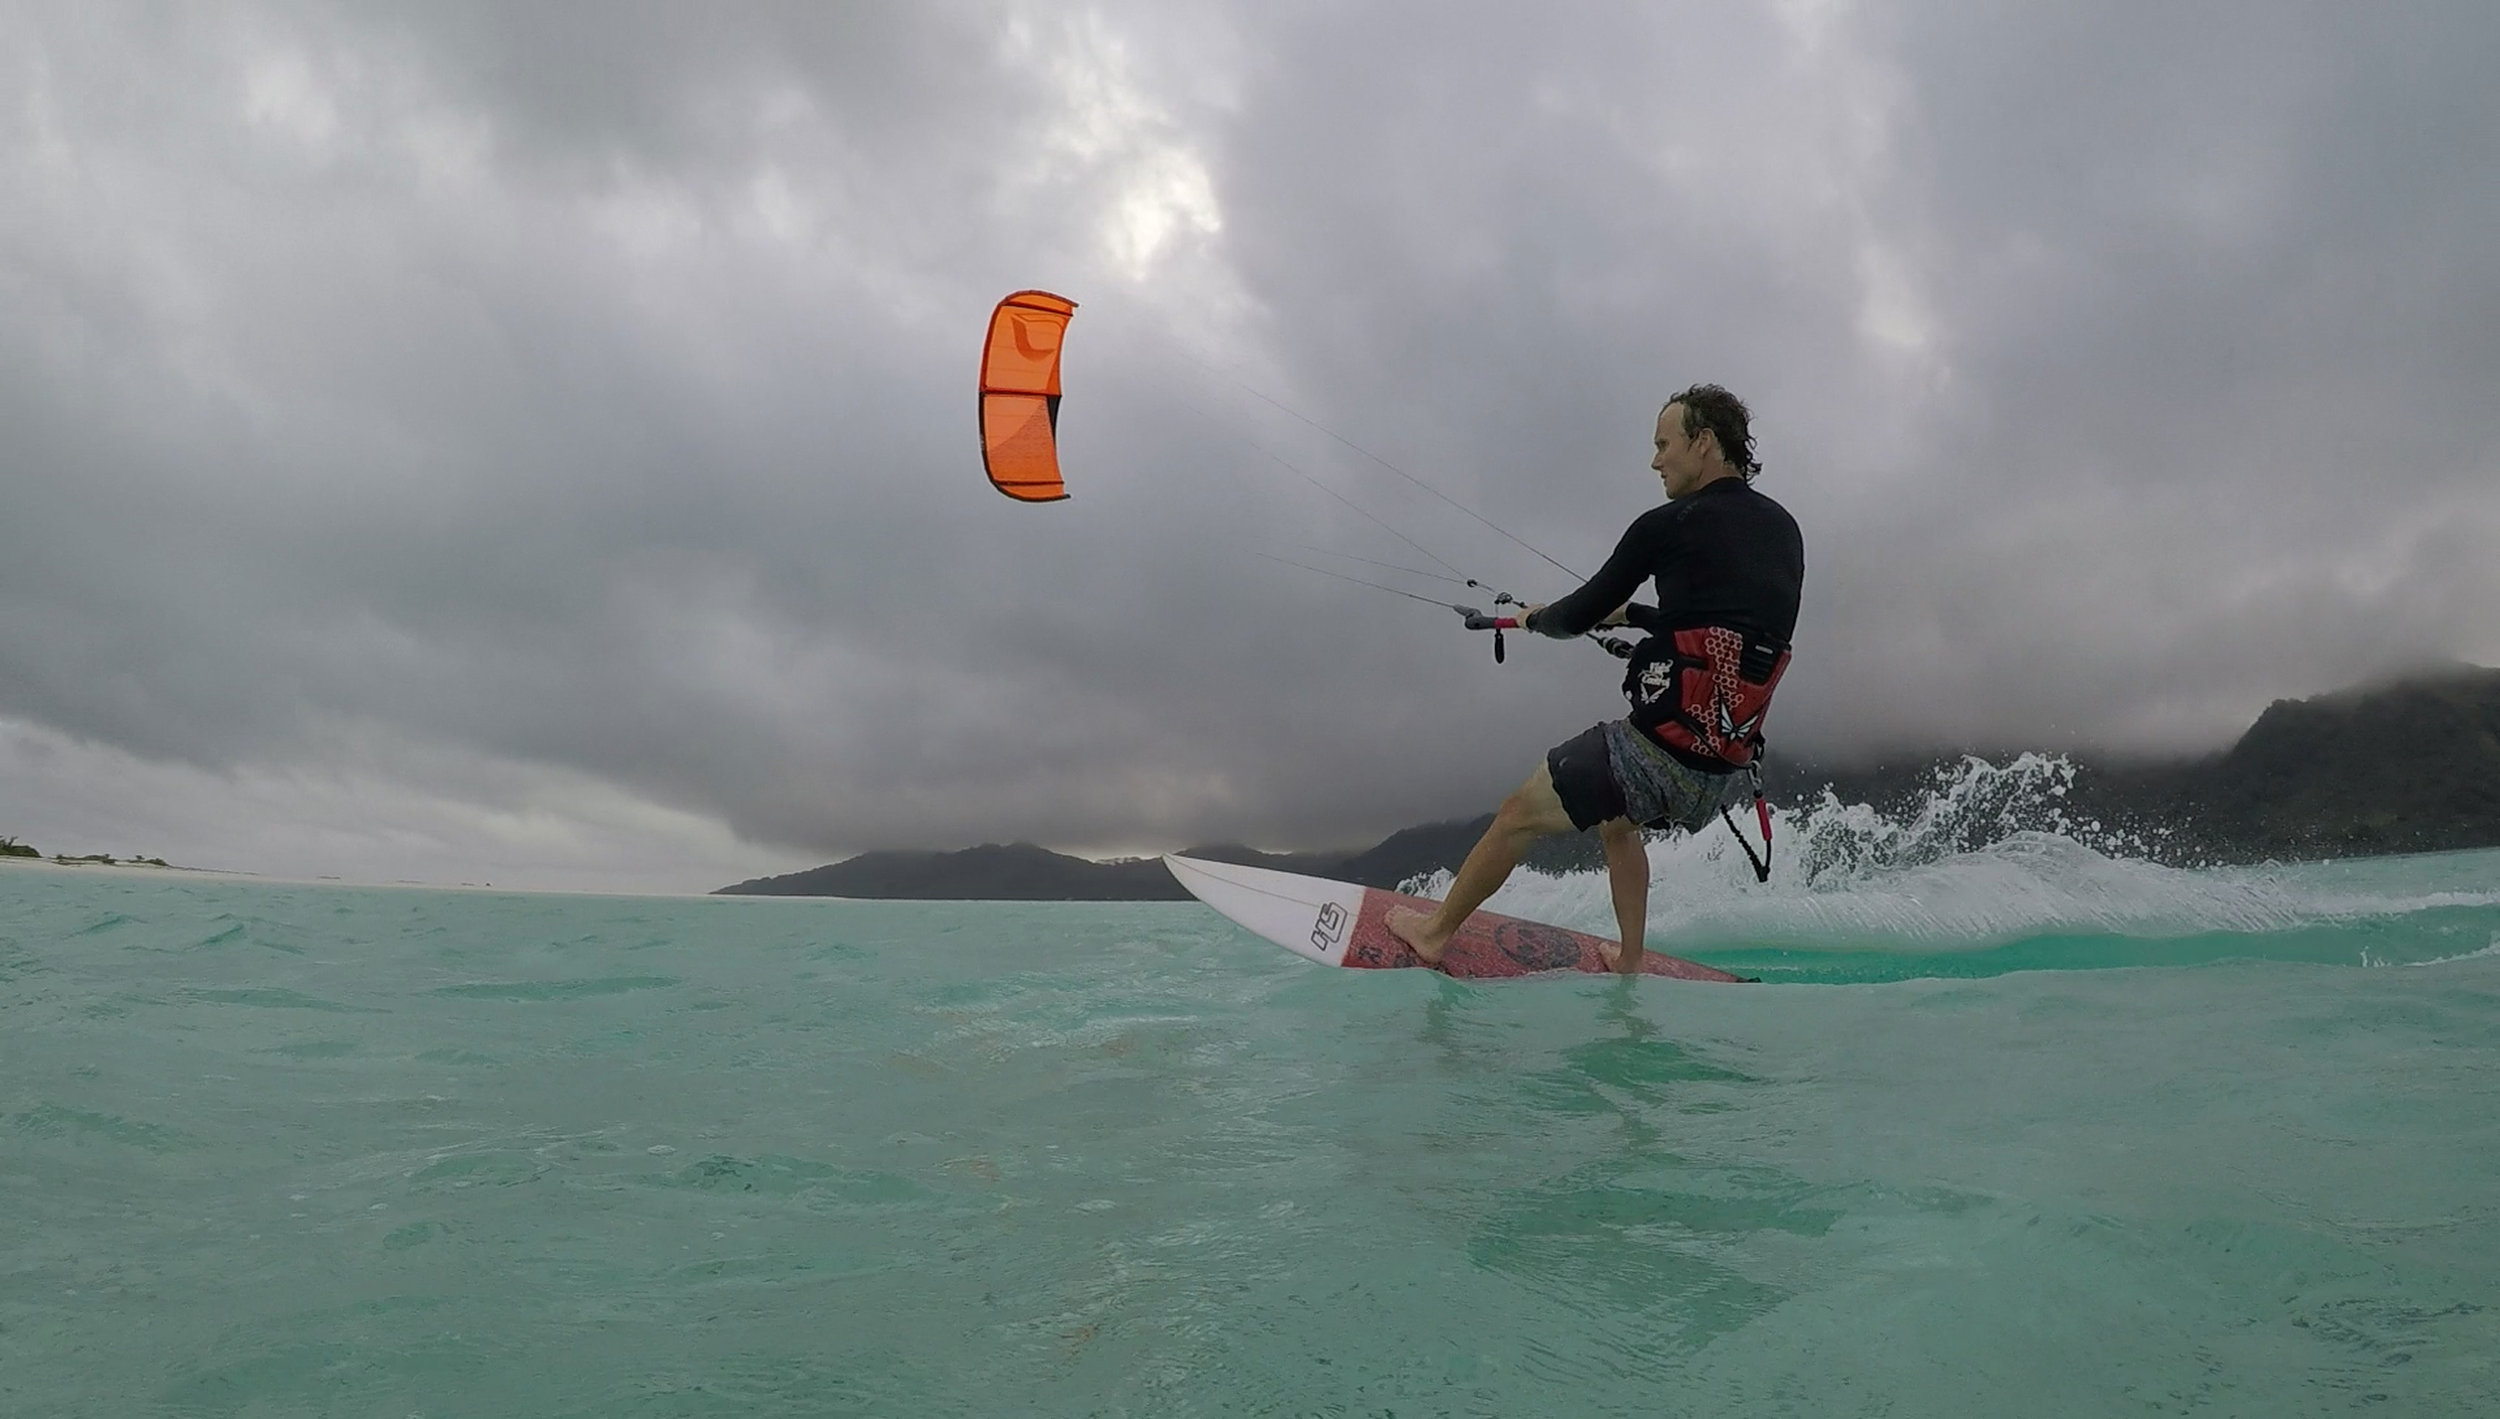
(2490, 951)
(1989, 853)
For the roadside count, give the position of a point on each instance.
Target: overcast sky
(534, 443)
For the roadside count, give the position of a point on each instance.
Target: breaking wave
(1987, 854)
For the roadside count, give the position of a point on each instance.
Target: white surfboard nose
(1308, 916)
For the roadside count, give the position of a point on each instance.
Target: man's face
(1684, 461)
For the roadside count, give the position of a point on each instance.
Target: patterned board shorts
(1613, 771)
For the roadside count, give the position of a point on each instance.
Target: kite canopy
(1020, 395)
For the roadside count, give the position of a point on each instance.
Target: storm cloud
(534, 443)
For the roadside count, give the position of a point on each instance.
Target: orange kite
(1020, 396)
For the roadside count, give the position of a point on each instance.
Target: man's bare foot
(1415, 929)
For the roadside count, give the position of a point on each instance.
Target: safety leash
(1762, 811)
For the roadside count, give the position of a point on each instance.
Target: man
(1727, 563)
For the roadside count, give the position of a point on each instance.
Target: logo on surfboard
(1330, 929)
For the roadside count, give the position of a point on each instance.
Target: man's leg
(1531, 812)
(1627, 878)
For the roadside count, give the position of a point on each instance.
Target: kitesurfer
(1727, 563)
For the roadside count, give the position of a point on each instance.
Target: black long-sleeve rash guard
(1723, 556)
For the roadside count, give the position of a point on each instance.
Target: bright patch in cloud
(282, 94)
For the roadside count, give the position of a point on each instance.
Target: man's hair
(1709, 406)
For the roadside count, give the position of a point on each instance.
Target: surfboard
(1341, 924)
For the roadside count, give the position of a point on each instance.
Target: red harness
(1704, 692)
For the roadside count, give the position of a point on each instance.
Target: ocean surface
(2025, 1127)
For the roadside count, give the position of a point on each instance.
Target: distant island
(2408, 765)
(10, 847)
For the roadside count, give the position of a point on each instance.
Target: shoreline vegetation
(13, 850)
(2400, 766)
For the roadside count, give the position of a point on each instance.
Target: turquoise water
(2025, 1130)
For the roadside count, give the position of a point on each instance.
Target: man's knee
(1534, 809)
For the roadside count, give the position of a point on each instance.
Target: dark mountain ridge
(2409, 765)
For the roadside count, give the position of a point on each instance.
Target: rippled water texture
(2023, 1130)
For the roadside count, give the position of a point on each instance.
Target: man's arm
(1601, 595)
